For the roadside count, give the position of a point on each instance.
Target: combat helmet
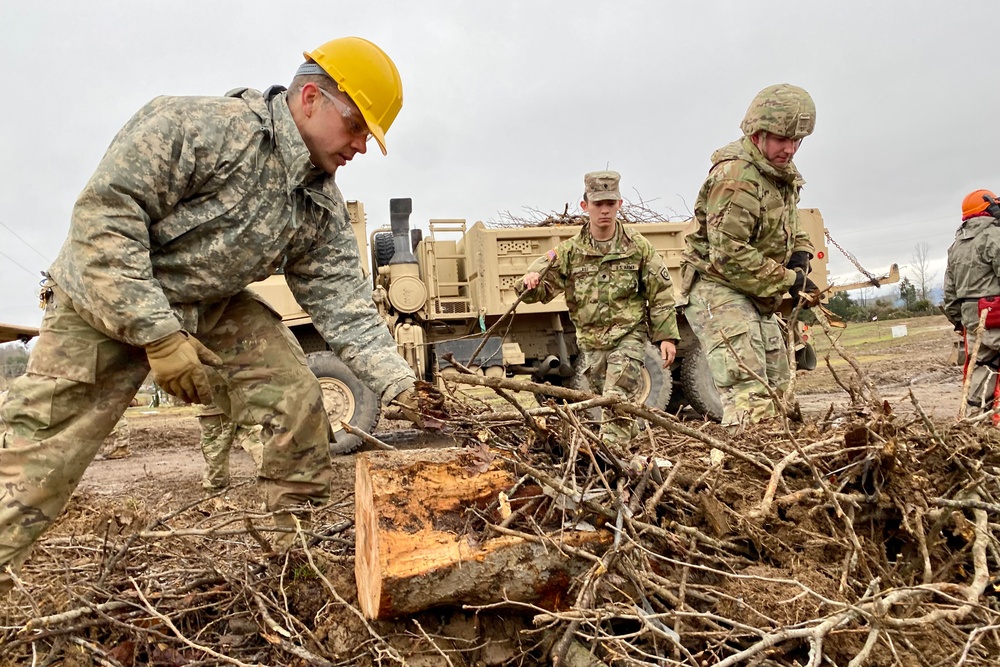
(782, 109)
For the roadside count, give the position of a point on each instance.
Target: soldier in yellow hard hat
(196, 198)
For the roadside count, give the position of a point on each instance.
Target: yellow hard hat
(368, 76)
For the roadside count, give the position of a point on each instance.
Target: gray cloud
(508, 104)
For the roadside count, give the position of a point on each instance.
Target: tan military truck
(439, 294)
(12, 332)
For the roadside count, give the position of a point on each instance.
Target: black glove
(803, 285)
(992, 206)
(800, 260)
(958, 327)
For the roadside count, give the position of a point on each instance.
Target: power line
(33, 274)
(24, 242)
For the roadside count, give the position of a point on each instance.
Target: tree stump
(413, 550)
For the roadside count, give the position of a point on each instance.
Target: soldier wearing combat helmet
(748, 251)
(619, 296)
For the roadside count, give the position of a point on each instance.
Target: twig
(873, 393)
(177, 633)
(655, 416)
(508, 312)
(367, 437)
(528, 419)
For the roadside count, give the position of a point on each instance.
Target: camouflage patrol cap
(601, 185)
(782, 109)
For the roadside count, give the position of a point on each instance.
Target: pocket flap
(68, 358)
(730, 331)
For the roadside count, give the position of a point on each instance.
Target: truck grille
(521, 246)
(451, 307)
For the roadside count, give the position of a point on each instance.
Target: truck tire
(345, 398)
(385, 248)
(698, 386)
(655, 383)
(805, 358)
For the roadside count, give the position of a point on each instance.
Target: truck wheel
(654, 383)
(698, 386)
(385, 248)
(657, 383)
(345, 398)
(677, 401)
(805, 358)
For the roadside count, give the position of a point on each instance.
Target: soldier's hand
(799, 260)
(176, 362)
(408, 403)
(800, 280)
(422, 404)
(532, 279)
(668, 351)
(959, 329)
(810, 294)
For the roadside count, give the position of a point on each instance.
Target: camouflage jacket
(748, 225)
(199, 196)
(609, 295)
(973, 269)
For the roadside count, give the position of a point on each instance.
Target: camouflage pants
(718, 314)
(616, 372)
(118, 443)
(218, 433)
(80, 381)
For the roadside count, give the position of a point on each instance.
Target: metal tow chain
(871, 277)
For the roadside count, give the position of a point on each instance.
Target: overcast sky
(507, 104)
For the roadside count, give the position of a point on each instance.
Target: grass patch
(858, 334)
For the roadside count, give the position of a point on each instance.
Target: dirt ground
(166, 458)
(918, 361)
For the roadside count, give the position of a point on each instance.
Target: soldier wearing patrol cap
(619, 296)
(747, 251)
(196, 198)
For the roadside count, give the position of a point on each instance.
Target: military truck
(439, 294)
(12, 332)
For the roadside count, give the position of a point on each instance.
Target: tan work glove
(423, 405)
(176, 362)
(409, 404)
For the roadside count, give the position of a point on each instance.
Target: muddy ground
(166, 458)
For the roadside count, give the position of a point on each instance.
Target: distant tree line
(13, 362)
(911, 298)
(907, 301)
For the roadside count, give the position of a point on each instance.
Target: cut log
(412, 547)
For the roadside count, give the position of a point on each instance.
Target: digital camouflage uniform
(195, 198)
(617, 301)
(973, 272)
(747, 229)
(218, 434)
(118, 444)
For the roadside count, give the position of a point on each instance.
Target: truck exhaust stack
(399, 220)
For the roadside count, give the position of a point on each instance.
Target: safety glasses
(356, 126)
